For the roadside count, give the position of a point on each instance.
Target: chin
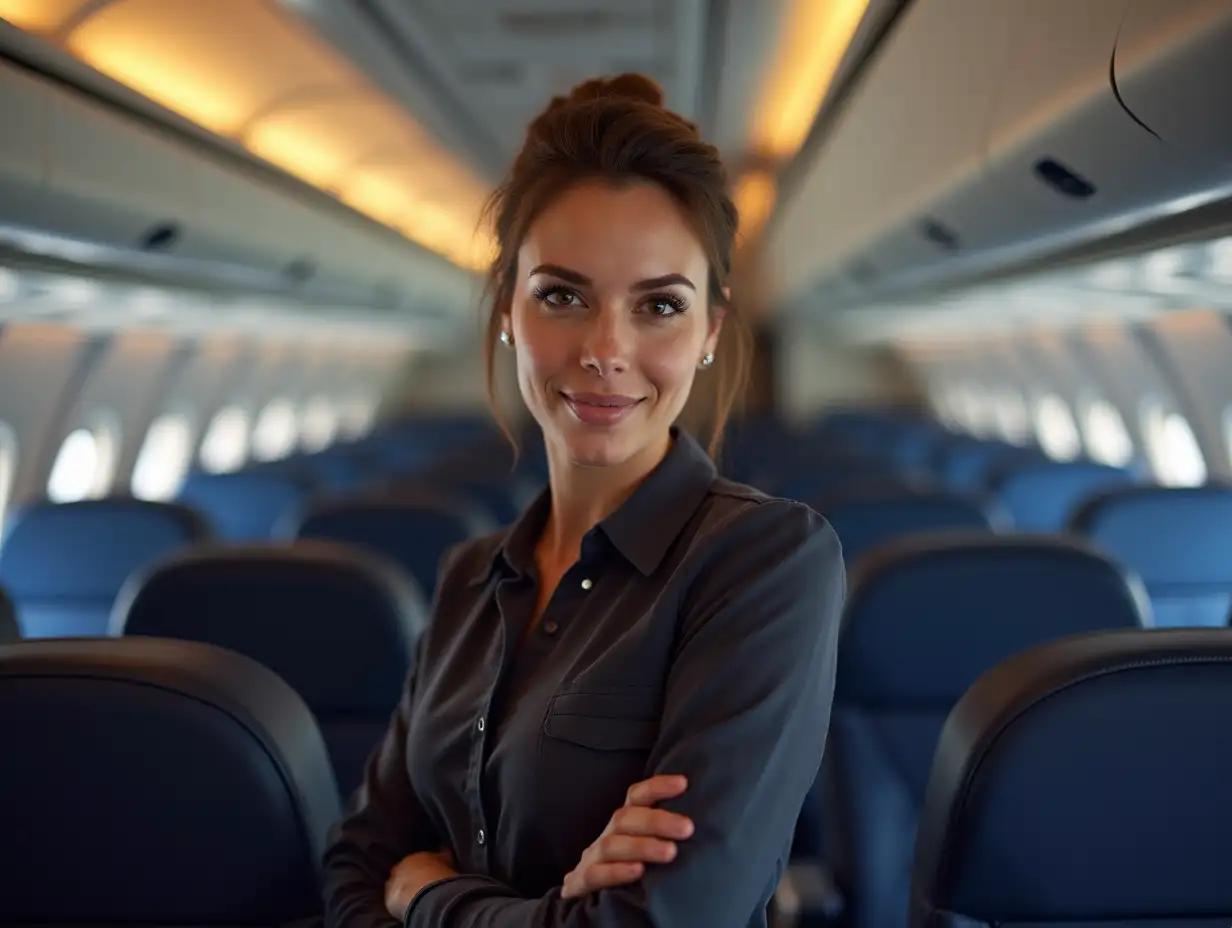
(598, 450)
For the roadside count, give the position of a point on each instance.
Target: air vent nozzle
(1063, 180)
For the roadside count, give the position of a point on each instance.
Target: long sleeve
(384, 822)
(745, 715)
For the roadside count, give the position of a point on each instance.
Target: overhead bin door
(1067, 161)
(112, 180)
(1174, 72)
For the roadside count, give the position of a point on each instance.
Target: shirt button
(550, 628)
(586, 584)
(481, 837)
(480, 723)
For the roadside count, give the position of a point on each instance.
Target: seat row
(209, 796)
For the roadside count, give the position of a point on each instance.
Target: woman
(622, 700)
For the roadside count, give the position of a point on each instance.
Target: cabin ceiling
(499, 61)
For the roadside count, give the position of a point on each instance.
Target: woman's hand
(636, 835)
(411, 874)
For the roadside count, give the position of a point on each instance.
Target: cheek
(670, 367)
(541, 359)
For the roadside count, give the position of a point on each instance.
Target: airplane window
(8, 466)
(225, 446)
(1012, 417)
(318, 425)
(276, 431)
(1172, 447)
(1055, 428)
(966, 406)
(164, 458)
(1106, 437)
(84, 465)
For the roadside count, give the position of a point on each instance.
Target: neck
(582, 497)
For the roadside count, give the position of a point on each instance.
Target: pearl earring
(506, 339)
(707, 360)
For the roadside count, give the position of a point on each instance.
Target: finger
(613, 848)
(656, 823)
(602, 876)
(656, 789)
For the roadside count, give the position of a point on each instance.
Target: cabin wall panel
(39, 364)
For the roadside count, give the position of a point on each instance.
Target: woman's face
(610, 318)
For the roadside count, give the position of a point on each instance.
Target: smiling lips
(604, 409)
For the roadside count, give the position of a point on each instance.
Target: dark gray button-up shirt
(695, 635)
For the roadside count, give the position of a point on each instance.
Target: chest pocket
(594, 745)
(625, 719)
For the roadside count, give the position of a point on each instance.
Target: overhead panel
(251, 73)
(505, 59)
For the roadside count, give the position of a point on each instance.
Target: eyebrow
(581, 280)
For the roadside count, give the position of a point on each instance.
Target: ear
(506, 318)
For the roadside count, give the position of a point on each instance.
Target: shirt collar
(641, 529)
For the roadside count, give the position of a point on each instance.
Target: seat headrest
(167, 778)
(9, 629)
(433, 514)
(89, 548)
(1168, 534)
(246, 505)
(867, 519)
(1043, 495)
(1085, 781)
(337, 624)
(926, 616)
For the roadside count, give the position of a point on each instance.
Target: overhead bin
(1066, 161)
(1174, 73)
(81, 170)
(1011, 145)
(113, 180)
(236, 222)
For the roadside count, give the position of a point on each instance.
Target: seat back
(411, 529)
(154, 782)
(1041, 496)
(866, 520)
(1085, 782)
(337, 625)
(246, 505)
(967, 464)
(63, 564)
(924, 618)
(1178, 540)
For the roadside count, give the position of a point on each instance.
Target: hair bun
(628, 86)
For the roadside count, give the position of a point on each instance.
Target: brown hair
(617, 130)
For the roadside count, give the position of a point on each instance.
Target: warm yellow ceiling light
(755, 196)
(249, 72)
(816, 34)
(179, 84)
(41, 16)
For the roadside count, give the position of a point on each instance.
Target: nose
(606, 344)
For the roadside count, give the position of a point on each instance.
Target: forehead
(615, 234)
